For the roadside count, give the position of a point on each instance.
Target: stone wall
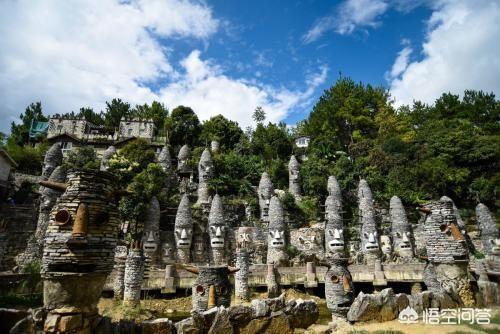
(17, 225)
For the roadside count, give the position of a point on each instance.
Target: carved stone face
(402, 244)
(244, 237)
(370, 242)
(494, 246)
(276, 239)
(167, 251)
(335, 240)
(217, 235)
(151, 243)
(183, 237)
(222, 289)
(386, 245)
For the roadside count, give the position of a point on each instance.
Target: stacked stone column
(151, 234)
(119, 272)
(183, 231)
(241, 288)
(400, 231)
(205, 174)
(273, 287)
(134, 271)
(265, 192)
(217, 229)
(294, 178)
(276, 240)
(369, 234)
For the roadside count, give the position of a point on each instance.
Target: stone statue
(265, 192)
(400, 231)
(205, 173)
(217, 230)
(276, 241)
(294, 177)
(183, 230)
(369, 234)
(106, 156)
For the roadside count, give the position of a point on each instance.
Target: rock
(240, 315)
(302, 313)
(69, 322)
(401, 301)
(381, 307)
(187, 326)
(420, 301)
(51, 323)
(158, 326)
(275, 304)
(258, 325)
(221, 323)
(260, 308)
(9, 317)
(24, 326)
(279, 324)
(38, 314)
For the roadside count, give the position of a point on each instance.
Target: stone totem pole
(121, 253)
(165, 162)
(334, 227)
(205, 173)
(294, 178)
(339, 291)
(183, 169)
(400, 231)
(447, 251)
(212, 286)
(134, 272)
(106, 156)
(217, 230)
(265, 192)
(151, 233)
(489, 232)
(369, 234)
(276, 241)
(48, 198)
(53, 158)
(79, 247)
(241, 288)
(183, 230)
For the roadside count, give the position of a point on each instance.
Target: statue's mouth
(217, 243)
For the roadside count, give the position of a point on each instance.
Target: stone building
(276, 240)
(183, 230)
(7, 166)
(205, 174)
(294, 177)
(265, 192)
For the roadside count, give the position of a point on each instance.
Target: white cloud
(461, 52)
(348, 16)
(70, 54)
(210, 92)
(401, 62)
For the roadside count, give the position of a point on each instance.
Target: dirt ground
(179, 308)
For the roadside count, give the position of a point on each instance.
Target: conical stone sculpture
(265, 192)
(183, 230)
(217, 230)
(276, 240)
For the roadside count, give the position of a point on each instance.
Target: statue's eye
(62, 217)
(200, 290)
(334, 279)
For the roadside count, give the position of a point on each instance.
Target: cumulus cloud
(348, 16)
(206, 89)
(401, 62)
(461, 51)
(70, 54)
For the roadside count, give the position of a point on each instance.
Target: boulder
(158, 326)
(221, 323)
(302, 313)
(380, 306)
(240, 315)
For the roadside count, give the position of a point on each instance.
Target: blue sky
(228, 57)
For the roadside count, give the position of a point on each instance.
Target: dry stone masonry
(134, 271)
(217, 230)
(205, 174)
(53, 158)
(294, 177)
(276, 240)
(151, 233)
(183, 230)
(265, 192)
(400, 231)
(369, 233)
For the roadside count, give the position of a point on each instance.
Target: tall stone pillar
(369, 233)
(205, 174)
(53, 158)
(217, 229)
(265, 192)
(134, 271)
(294, 177)
(339, 288)
(273, 287)
(400, 231)
(151, 233)
(241, 288)
(183, 231)
(183, 169)
(211, 287)
(119, 272)
(276, 240)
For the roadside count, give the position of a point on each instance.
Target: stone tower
(400, 231)
(334, 227)
(294, 177)
(183, 230)
(217, 230)
(369, 234)
(205, 174)
(276, 240)
(265, 192)
(489, 231)
(151, 233)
